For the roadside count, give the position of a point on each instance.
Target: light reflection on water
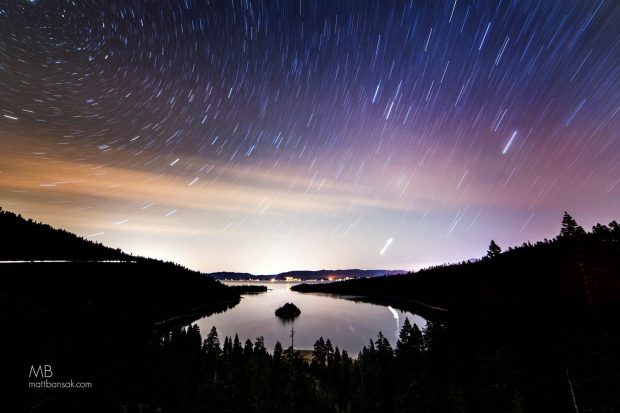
(348, 324)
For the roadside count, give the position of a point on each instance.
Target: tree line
(212, 375)
(570, 231)
(533, 327)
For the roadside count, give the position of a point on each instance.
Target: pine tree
(409, 344)
(278, 353)
(404, 337)
(227, 350)
(248, 348)
(237, 350)
(319, 355)
(383, 348)
(570, 228)
(614, 230)
(494, 250)
(329, 350)
(211, 344)
(259, 346)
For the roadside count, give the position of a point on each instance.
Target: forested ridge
(92, 279)
(91, 313)
(25, 239)
(577, 268)
(534, 326)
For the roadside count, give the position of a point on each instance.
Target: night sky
(277, 135)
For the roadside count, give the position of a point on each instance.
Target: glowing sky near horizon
(277, 135)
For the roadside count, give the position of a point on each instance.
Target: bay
(348, 324)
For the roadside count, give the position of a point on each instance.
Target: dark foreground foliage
(534, 328)
(188, 374)
(89, 316)
(93, 322)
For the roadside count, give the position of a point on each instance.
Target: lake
(348, 324)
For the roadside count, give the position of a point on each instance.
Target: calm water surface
(349, 325)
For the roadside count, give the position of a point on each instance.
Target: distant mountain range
(304, 275)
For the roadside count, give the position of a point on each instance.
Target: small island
(288, 310)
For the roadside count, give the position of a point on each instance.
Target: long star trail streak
(512, 137)
(262, 136)
(385, 247)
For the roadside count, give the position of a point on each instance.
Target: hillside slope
(90, 314)
(91, 277)
(534, 328)
(22, 239)
(582, 271)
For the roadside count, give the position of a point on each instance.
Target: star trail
(268, 136)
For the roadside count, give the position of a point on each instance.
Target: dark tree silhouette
(409, 345)
(494, 250)
(522, 341)
(570, 228)
(561, 295)
(319, 354)
(278, 353)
